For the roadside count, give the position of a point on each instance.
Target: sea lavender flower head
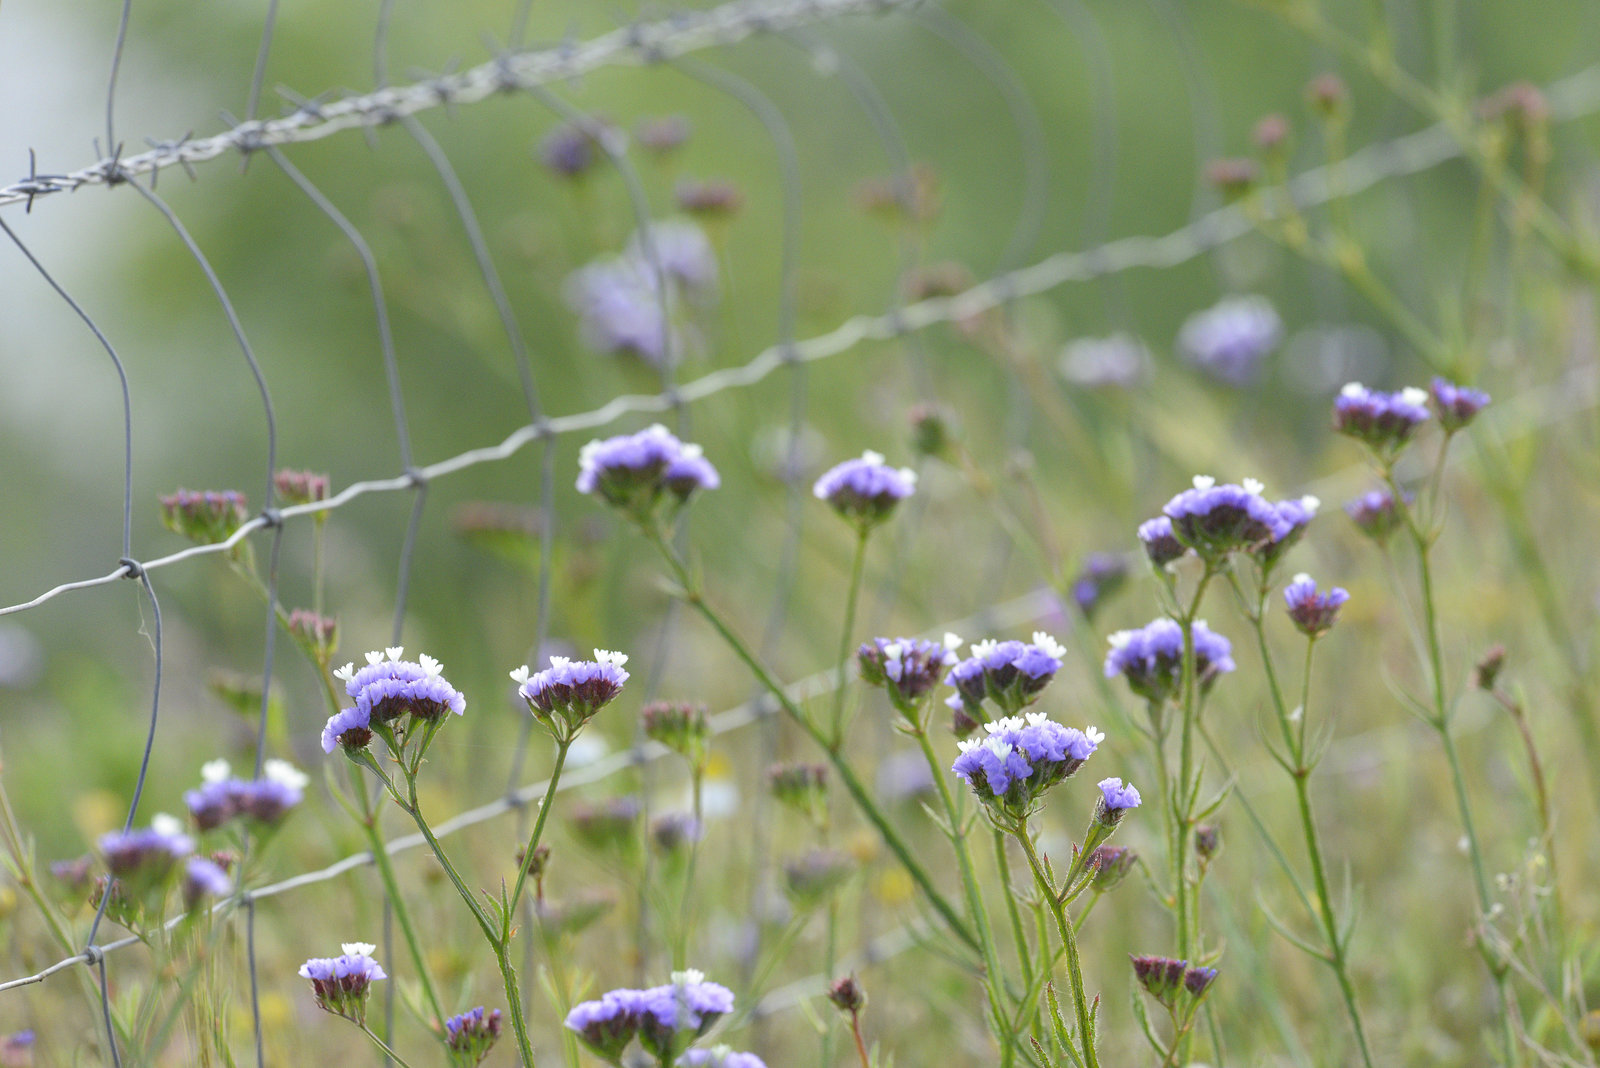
(1456, 405)
(674, 1015)
(300, 487)
(1116, 798)
(720, 1057)
(387, 688)
(608, 825)
(709, 199)
(349, 729)
(1020, 759)
(1162, 977)
(1160, 544)
(267, 800)
(204, 878)
(847, 995)
(568, 693)
(1101, 576)
(1198, 980)
(1012, 674)
(16, 1050)
(685, 254)
(865, 490)
(470, 1036)
(620, 311)
(635, 472)
(1229, 340)
(204, 517)
(1383, 421)
(341, 983)
(1109, 865)
(802, 787)
(1377, 515)
(317, 634)
(809, 878)
(680, 726)
(144, 858)
(568, 151)
(673, 832)
(1120, 361)
(1151, 658)
(608, 1024)
(908, 668)
(1313, 612)
(1297, 512)
(1215, 520)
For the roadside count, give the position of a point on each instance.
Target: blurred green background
(1187, 81)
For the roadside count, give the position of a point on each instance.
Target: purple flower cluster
(341, 983)
(264, 801)
(206, 517)
(568, 150)
(1457, 405)
(1101, 576)
(685, 255)
(1297, 512)
(620, 310)
(720, 1057)
(908, 668)
(1384, 421)
(865, 490)
(204, 878)
(1169, 980)
(567, 694)
(1313, 612)
(1215, 520)
(1151, 658)
(1020, 759)
(1376, 514)
(1012, 674)
(1160, 544)
(141, 862)
(634, 471)
(1120, 361)
(471, 1035)
(386, 689)
(665, 1019)
(1116, 798)
(1229, 340)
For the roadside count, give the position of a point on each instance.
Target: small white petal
(874, 458)
(1119, 639)
(952, 641)
(281, 771)
(688, 977)
(357, 949)
(394, 652)
(1301, 577)
(1413, 395)
(1255, 486)
(166, 824)
(1047, 643)
(1095, 736)
(520, 675)
(375, 657)
(1204, 482)
(1353, 389)
(430, 666)
(346, 673)
(1310, 504)
(606, 656)
(215, 771)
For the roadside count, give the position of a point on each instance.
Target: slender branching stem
(1069, 942)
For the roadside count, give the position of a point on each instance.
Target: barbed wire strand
(1572, 98)
(258, 76)
(1015, 612)
(112, 149)
(639, 43)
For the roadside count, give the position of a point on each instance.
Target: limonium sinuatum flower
(1101, 576)
(1151, 658)
(568, 693)
(1297, 512)
(1173, 982)
(664, 1018)
(1376, 514)
(1312, 611)
(635, 472)
(720, 1057)
(908, 668)
(1012, 674)
(341, 983)
(1116, 798)
(1384, 421)
(385, 690)
(1456, 405)
(206, 517)
(1230, 339)
(204, 878)
(1020, 758)
(470, 1036)
(865, 490)
(1160, 544)
(1217, 519)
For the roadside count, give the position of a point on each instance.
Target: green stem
(1182, 814)
(384, 1046)
(1069, 942)
(857, 566)
(538, 830)
(852, 783)
(1018, 932)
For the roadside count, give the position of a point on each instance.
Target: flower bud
(847, 995)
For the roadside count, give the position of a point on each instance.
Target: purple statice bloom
(1012, 674)
(1297, 512)
(1457, 405)
(675, 831)
(388, 687)
(1101, 576)
(204, 878)
(908, 668)
(1377, 514)
(471, 1035)
(609, 1023)
(1384, 421)
(685, 254)
(204, 516)
(340, 983)
(267, 800)
(349, 729)
(1151, 658)
(1229, 340)
(1197, 980)
(1215, 520)
(568, 151)
(865, 490)
(720, 1057)
(567, 694)
(1313, 612)
(16, 1050)
(1116, 798)
(633, 471)
(620, 310)
(146, 856)
(213, 804)
(1162, 977)
(1160, 544)
(673, 1015)
(1021, 758)
(1120, 361)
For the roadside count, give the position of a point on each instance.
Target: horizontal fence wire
(641, 43)
(1027, 608)
(1575, 97)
